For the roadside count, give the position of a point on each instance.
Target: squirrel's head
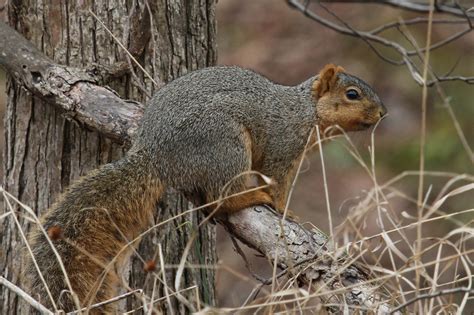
(345, 100)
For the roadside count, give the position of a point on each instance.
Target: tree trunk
(44, 152)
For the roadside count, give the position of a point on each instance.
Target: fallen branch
(305, 253)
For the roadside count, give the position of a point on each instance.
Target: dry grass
(415, 269)
(443, 262)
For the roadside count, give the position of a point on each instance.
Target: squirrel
(199, 133)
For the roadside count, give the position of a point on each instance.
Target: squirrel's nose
(382, 110)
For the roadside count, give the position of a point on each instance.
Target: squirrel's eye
(352, 94)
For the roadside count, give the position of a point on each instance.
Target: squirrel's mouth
(364, 125)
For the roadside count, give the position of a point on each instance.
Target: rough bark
(45, 151)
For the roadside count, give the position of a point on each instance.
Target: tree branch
(410, 6)
(73, 90)
(374, 37)
(305, 253)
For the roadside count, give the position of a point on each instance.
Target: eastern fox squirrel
(199, 133)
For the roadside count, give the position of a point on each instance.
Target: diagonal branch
(411, 6)
(73, 90)
(35, 304)
(305, 253)
(415, 21)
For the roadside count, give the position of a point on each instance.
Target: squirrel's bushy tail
(91, 227)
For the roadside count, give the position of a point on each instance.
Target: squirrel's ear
(327, 79)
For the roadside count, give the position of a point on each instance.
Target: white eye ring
(352, 94)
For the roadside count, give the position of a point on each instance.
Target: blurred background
(281, 43)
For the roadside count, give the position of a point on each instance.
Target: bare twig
(415, 21)
(424, 100)
(326, 190)
(373, 37)
(112, 300)
(411, 6)
(440, 91)
(432, 295)
(160, 299)
(165, 283)
(39, 307)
